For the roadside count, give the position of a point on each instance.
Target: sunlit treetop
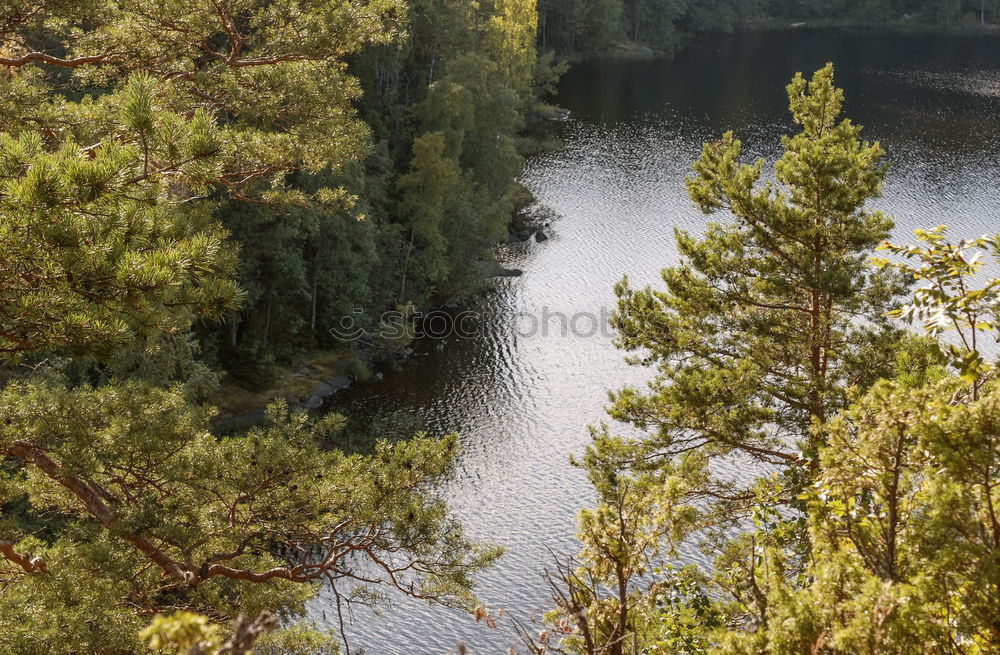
(271, 74)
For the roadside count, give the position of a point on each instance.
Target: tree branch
(25, 561)
(41, 57)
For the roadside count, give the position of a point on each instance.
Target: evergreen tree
(272, 71)
(759, 331)
(772, 315)
(100, 246)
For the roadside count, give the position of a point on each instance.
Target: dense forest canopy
(590, 26)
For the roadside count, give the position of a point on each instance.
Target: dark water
(521, 395)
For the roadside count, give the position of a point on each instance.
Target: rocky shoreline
(530, 222)
(313, 400)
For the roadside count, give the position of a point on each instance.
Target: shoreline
(628, 49)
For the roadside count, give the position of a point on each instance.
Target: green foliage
(656, 21)
(759, 331)
(433, 179)
(246, 63)
(292, 52)
(142, 141)
(298, 639)
(684, 615)
(868, 523)
(947, 298)
(414, 218)
(182, 633)
(147, 511)
(100, 247)
(510, 42)
(457, 197)
(902, 518)
(293, 265)
(357, 369)
(186, 633)
(252, 103)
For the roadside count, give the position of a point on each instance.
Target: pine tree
(759, 330)
(272, 74)
(101, 244)
(757, 336)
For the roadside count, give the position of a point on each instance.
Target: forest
(194, 194)
(578, 26)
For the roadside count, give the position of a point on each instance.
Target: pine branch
(41, 57)
(24, 560)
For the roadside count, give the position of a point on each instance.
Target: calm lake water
(522, 394)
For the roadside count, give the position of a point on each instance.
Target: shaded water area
(522, 394)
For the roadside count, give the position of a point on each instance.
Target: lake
(522, 394)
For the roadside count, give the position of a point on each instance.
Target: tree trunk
(406, 263)
(621, 630)
(893, 512)
(312, 320)
(267, 319)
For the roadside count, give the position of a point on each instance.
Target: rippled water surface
(522, 395)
